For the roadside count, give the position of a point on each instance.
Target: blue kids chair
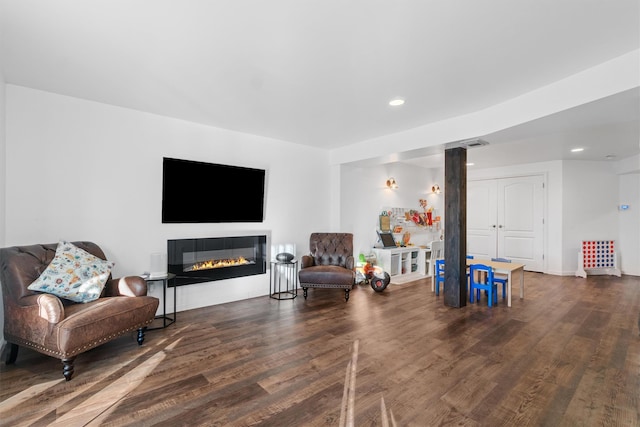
(501, 278)
(482, 282)
(439, 275)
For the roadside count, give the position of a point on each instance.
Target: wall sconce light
(435, 189)
(391, 183)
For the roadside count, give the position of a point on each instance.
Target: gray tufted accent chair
(329, 264)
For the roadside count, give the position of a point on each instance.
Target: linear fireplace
(216, 258)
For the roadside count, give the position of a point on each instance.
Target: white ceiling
(607, 129)
(322, 72)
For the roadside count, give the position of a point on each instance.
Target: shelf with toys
(410, 226)
(413, 231)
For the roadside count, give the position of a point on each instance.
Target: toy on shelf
(597, 257)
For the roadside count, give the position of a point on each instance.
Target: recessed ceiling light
(577, 150)
(396, 102)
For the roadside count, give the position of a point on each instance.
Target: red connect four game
(597, 257)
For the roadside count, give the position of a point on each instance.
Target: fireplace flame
(218, 263)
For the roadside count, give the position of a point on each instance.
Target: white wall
(81, 170)
(3, 158)
(589, 206)
(581, 204)
(3, 178)
(629, 221)
(629, 224)
(364, 195)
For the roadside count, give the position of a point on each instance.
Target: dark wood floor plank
(568, 354)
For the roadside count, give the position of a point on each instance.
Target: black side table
(166, 320)
(284, 280)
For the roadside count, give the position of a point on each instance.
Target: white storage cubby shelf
(407, 263)
(403, 263)
(420, 235)
(597, 257)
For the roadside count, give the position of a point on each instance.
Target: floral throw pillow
(74, 274)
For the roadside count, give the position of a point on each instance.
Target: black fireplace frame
(177, 247)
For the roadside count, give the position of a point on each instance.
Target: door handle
(500, 226)
(493, 226)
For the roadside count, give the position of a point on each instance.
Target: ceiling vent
(467, 143)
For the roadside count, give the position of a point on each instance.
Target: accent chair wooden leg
(346, 294)
(67, 369)
(12, 354)
(304, 292)
(141, 335)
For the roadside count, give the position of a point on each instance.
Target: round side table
(284, 280)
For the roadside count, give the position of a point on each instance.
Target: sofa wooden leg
(67, 369)
(12, 354)
(141, 335)
(346, 294)
(304, 292)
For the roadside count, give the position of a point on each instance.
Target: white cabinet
(402, 263)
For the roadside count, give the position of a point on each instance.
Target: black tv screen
(208, 192)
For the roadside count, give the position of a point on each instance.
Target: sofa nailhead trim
(85, 347)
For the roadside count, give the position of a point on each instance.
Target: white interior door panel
(520, 220)
(505, 218)
(481, 218)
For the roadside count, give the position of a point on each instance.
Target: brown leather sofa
(61, 328)
(330, 263)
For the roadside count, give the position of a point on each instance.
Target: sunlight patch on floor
(23, 396)
(383, 415)
(347, 410)
(37, 389)
(348, 395)
(177, 332)
(173, 345)
(98, 405)
(97, 408)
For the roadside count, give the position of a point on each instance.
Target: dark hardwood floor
(568, 354)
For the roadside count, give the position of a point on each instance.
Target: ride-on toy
(374, 275)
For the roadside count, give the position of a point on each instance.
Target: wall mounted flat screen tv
(208, 192)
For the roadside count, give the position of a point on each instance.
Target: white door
(482, 219)
(505, 218)
(521, 221)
